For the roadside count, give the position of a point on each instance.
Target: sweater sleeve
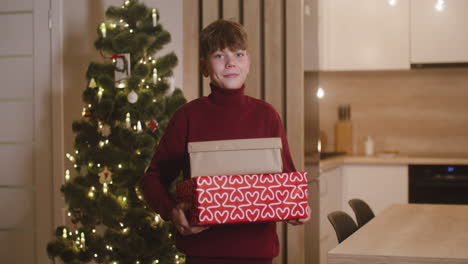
(278, 131)
(165, 166)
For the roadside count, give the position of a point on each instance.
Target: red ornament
(152, 125)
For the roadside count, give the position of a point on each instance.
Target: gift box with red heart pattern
(244, 198)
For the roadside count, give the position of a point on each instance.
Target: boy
(225, 114)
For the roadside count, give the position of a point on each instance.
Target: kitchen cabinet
(439, 31)
(363, 35)
(330, 186)
(378, 185)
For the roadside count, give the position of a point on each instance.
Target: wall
(420, 111)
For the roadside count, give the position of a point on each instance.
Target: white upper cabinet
(439, 31)
(364, 34)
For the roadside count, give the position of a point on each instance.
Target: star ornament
(152, 125)
(105, 176)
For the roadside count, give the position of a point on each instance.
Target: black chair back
(362, 211)
(343, 224)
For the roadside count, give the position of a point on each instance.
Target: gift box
(233, 157)
(244, 198)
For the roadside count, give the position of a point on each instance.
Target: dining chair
(362, 211)
(343, 224)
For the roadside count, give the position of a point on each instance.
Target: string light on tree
(91, 192)
(100, 92)
(67, 175)
(155, 76)
(154, 16)
(138, 127)
(127, 121)
(103, 29)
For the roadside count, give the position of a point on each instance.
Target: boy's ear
(204, 67)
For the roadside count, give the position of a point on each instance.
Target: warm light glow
(127, 120)
(69, 214)
(104, 188)
(101, 144)
(120, 166)
(76, 152)
(155, 76)
(95, 255)
(320, 93)
(440, 5)
(94, 230)
(64, 233)
(154, 16)
(121, 85)
(99, 165)
(70, 157)
(102, 27)
(67, 175)
(100, 92)
(91, 193)
(131, 30)
(392, 2)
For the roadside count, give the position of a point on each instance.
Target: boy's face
(226, 68)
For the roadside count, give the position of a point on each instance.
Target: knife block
(344, 137)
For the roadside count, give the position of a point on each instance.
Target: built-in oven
(439, 184)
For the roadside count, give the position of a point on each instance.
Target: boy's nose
(230, 64)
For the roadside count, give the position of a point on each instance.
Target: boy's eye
(218, 56)
(240, 54)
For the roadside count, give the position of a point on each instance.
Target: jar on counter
(369, 146)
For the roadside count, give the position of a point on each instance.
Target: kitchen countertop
(425, 159)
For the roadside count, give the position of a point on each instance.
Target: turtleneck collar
(224, 96)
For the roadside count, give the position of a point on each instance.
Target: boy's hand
(180, 221)
(300, 221)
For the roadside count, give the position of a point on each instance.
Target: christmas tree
(128, 102)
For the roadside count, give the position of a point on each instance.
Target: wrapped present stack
(241, 181)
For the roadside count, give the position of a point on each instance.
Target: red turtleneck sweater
(224, 114)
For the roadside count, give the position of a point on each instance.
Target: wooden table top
(409, 233)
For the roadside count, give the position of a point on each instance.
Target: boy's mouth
(231, 75)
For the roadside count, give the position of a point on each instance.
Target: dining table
(408, 234)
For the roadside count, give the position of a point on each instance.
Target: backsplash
(420, 111)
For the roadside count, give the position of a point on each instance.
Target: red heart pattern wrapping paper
(248, 198)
